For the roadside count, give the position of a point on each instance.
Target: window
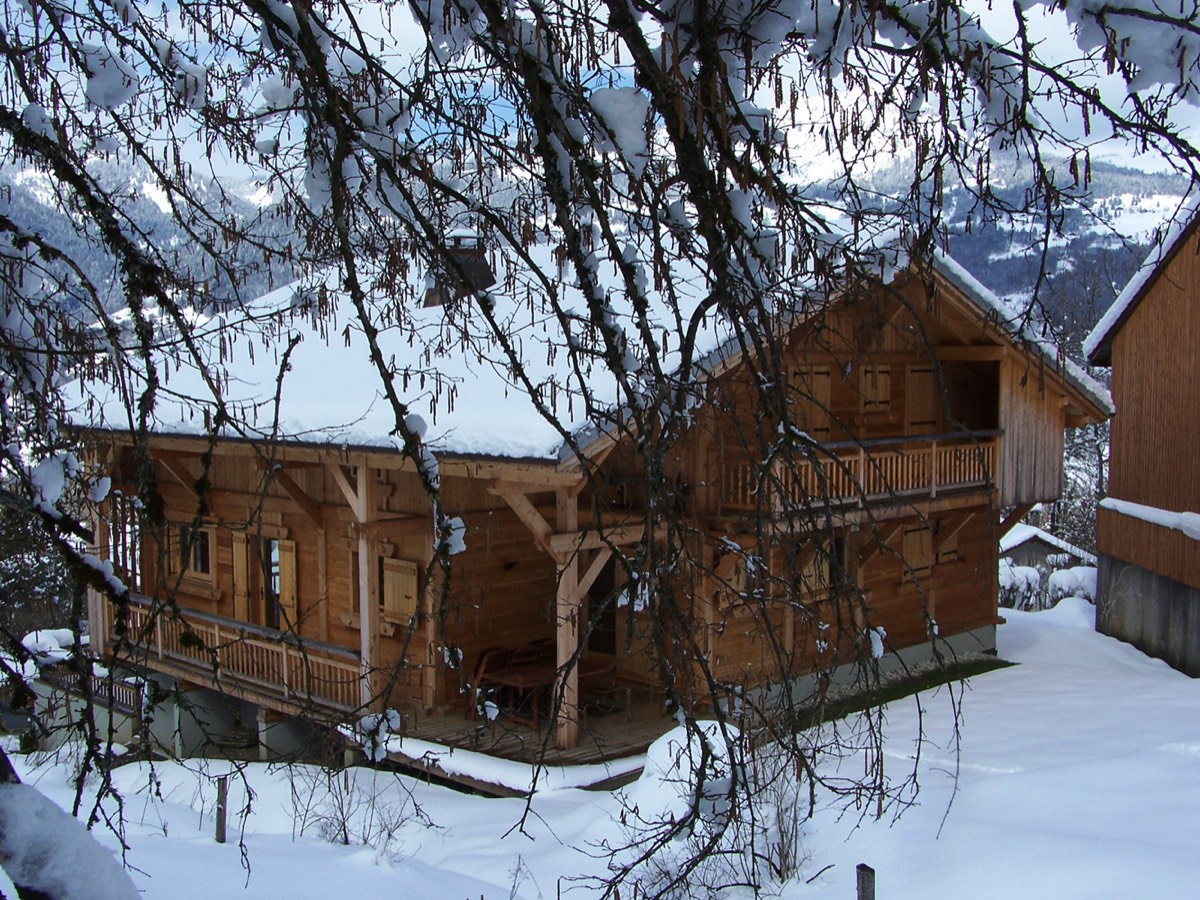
(264, 580)
(124, 538)
(189, 550)
(276, 598)
(875, 389)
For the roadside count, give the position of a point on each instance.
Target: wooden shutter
(287, 584)
(399, 589)
(875, 387)
(918, 549)
(241, 577)
(922, 400)
(811, 387)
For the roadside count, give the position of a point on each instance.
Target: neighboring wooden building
(1146, 539)
(1027, 545)
(303, 569)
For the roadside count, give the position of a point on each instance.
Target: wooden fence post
(222, 806)
(866, 882)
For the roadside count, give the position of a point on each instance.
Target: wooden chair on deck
(524, 672)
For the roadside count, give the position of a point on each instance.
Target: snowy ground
(1079, 776)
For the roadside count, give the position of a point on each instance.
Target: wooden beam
(594, 539)
(1012, 519)
(404, 526)
(882, 539)
(968, 352)
(341, 477)
(952, 527)
(180, 472)
(588, 578)
(529, 515)
(311, 508)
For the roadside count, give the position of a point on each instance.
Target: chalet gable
(1098, 345)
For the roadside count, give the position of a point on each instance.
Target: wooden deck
(602, 737)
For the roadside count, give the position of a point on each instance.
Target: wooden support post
(567, 608)
(854, 574)
(866, 882)
(429, 672)
(222, 806)
(368, 587)
(322, 612)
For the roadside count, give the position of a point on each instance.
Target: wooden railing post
(933, 468)
(283, 669)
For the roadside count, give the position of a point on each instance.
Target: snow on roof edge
(1186, 522)
(1181, 223)
(1020, 533)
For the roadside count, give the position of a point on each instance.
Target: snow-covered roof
(1097, 347)
(450, 370)
(1021, 533)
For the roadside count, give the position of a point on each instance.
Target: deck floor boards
(618, 734)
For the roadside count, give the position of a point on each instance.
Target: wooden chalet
(1148, 526)
(303, 579)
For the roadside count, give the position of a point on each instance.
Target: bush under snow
(1078, 581)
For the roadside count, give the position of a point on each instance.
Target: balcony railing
(222, 649)
(861, 473)
(112, 692)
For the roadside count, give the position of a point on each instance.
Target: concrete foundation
(891, 665)
(1159, 616)
(182, 721)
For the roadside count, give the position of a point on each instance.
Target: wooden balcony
(236, 656)
(852, 473)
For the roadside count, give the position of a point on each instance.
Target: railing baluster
(933, 469)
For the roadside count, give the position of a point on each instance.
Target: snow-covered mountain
(1097, 246)
(1072, 267)
(31, 198)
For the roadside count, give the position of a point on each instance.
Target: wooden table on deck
(532, 677)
